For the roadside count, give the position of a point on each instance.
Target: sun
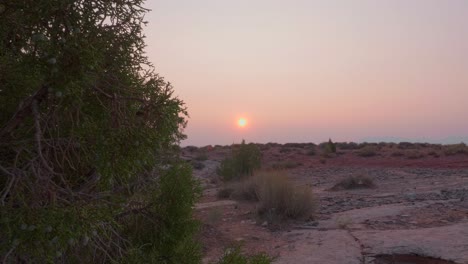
(242, 122)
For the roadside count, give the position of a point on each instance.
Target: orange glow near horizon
(242, 122)
(306, 71)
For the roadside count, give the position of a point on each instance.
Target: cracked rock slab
(330, 247)
(447, 242)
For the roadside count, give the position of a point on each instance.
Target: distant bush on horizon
(454, 149)
(367, 151)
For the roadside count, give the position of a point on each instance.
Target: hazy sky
(304, 71)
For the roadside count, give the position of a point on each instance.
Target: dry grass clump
(367, 151)
(288, 164)
(276, 194)
(414, 154)
(354, 182)
(398, 153)
(455, 149)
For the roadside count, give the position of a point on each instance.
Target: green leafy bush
(84, 124)
(245, 159)
(163, 231)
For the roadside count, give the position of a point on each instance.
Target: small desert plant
(347, 145)
(191, 149)
(398, 154)
(414, 154)
(455, 149)
(277, 194)
(246, 190)
(245, 159)
(225, 192)
(328, 149)
(285, 150)
(235, 256)
(344, 222)
(198, 165)
(367, 151)
(311, 152)
(433, 153)
(201, 156)
(289, 164)
(406, 145)
(354, 182)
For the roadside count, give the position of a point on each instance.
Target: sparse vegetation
(367, 151)
(406, 145)
(225, 192)
(398, 153)
(201, 156)
(414, 154)
(245, 159)
(311, 152)
(347, 145)
(455, 149)
(276, 194)
(288, 164)
(235, 256)
(354, 182)
(197, 165)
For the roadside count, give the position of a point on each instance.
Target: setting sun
(242, 122)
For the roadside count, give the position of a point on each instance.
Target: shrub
(198, 165)
(164, 230)
(225, 192)
(414, 154)
(347, 145)
(406, 145)
(201, 156)
(276, 195)
(455, 149)
(285, 150)
(398, 154)
(244, 160)
(289, 164)
(246, 189)
(367, 151)
(354, 182)
(311, 152)
(329, 147)
(235, 256)
(84, 122)
(279, 196)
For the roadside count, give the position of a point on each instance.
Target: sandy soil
(419, 208)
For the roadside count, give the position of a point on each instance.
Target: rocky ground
(417, 213)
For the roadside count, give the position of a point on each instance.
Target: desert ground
(416, 213)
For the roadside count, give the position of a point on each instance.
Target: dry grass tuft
(276, 195)
(354, 182)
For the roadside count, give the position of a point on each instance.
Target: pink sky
(309, 70)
